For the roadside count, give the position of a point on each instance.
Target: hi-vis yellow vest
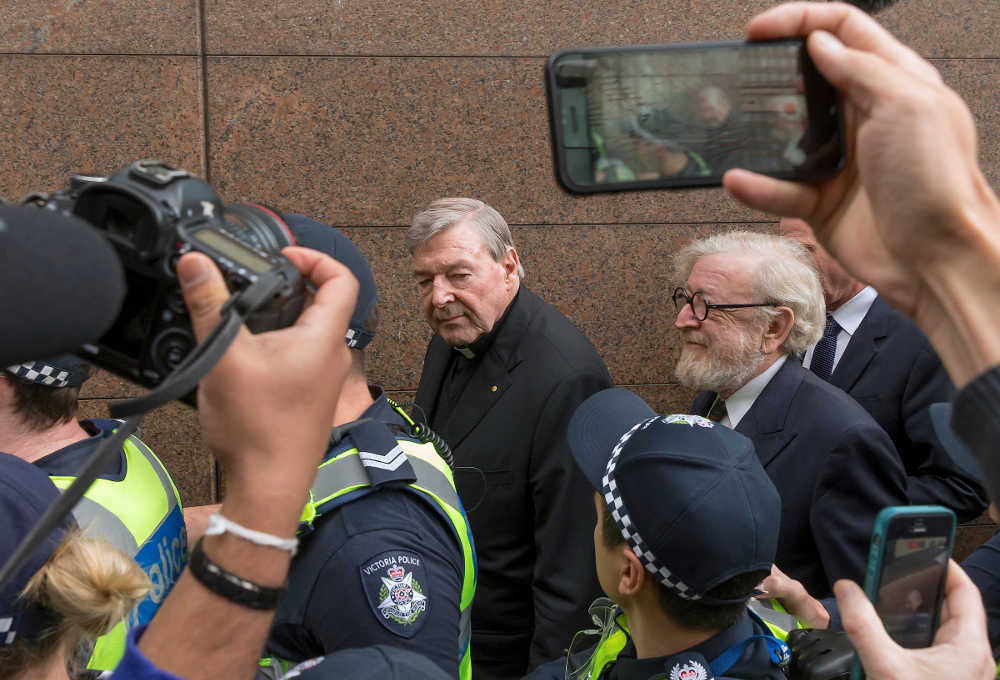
(344, 474)
(616, 636)
(141, 515)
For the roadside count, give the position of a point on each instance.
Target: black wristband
(230, 586)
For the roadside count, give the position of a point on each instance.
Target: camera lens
(257, 226)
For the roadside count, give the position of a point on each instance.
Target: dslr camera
(151, 214)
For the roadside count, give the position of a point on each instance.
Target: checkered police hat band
(625, 525)
(42, 374)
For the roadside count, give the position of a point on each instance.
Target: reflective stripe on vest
(141, 515)
(608, 649)
(778, 621)
(346, 472)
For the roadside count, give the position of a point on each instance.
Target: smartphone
(907, 568)
(650, 117)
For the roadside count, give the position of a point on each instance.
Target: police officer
(133, 505)
(687, 527)
(386, 555)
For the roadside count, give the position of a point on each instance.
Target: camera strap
(182, 379)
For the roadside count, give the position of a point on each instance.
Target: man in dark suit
(503, 375)
(886, 363)
(748, 302)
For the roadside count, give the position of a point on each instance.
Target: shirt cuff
(830, 604)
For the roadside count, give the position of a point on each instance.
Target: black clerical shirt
(464, 361)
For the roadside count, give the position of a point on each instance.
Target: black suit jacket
(529, 506)
(890, 368)
(834, 467)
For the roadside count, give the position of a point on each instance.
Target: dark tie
(826, 349)
(718, 410)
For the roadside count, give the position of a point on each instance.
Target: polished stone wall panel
(100, 26)
(527, 28)
(977, 81)
(946, 28)
(95, 114)
(453, 27)
(370, 140)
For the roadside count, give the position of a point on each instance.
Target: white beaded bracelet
(219, 524)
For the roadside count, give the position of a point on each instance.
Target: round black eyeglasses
(700, 305)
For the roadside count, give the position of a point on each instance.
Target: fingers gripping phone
(681, 115)
(907, 569)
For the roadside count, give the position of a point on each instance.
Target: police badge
(395, 587)
(690, 670)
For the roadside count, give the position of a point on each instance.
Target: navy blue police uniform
(336, 597)
(740, 652)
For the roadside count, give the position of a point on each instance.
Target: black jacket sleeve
(564, 580)
(938, 479)
(860, 476)
(975, 418)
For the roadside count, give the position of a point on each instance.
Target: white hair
(785, 275)
(447, 212)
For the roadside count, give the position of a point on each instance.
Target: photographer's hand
(960, 649)
(911, 213)
(265, 411)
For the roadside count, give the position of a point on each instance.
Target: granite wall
(358, 112)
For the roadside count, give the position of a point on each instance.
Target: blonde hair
(89, 585)
(785, 275)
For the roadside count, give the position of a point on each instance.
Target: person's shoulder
(397, 515)
(818, 394)
(69, 460)
(900, 331)
(826, 411)
(550, 336)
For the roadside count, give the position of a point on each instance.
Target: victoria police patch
(395, 584)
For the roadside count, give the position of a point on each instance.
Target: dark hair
(40, 406)
(692, 614)
(358, 364)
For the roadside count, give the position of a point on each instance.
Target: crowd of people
(526, 518)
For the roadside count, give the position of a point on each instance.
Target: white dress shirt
(849, 316)
(742, 399)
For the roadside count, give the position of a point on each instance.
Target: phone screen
(912, 577)
(681, 115)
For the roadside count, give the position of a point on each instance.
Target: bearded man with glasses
(748, 305)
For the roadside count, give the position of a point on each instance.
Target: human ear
(778, 328)
(509, 263)
(631, 573)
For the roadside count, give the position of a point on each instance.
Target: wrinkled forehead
(459, 244)
(724, 275)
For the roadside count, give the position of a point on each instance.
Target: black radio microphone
(61, 283)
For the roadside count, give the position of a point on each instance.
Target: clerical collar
(478, 346)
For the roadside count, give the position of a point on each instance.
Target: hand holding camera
(151, 214)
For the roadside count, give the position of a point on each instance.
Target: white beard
(724, 368)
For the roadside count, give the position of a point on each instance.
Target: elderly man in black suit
(886, 363)
(503, 374)
(749, 303)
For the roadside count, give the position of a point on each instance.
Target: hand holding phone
(681, 115)
(907, 571)
(961, 648)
